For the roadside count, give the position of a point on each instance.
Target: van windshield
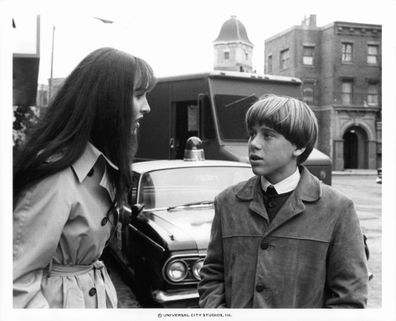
(231, 110)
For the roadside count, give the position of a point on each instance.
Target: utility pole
(52, 64)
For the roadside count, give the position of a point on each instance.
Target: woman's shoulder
(60, 183)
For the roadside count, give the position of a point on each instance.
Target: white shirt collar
(287, 185)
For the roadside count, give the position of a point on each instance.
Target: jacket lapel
(292, 207)
(308, 190)
(251, 192)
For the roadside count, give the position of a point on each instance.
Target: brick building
(340, 66)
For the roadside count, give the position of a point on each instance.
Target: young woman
(72, 174)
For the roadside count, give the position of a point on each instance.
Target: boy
(299, 246)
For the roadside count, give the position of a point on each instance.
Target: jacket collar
(87, 160)
(308, 188)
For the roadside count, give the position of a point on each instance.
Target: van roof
(232, 75)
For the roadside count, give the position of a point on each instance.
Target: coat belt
(72, 270)
(105, 295)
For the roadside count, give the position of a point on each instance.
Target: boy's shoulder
(331, 193)
(327, 194)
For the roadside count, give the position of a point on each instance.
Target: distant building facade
(43, 91)
(340, 66)
(232, 48)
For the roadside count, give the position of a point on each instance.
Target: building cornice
(356, 108)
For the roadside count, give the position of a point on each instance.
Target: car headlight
(177, 271)
(196, 268)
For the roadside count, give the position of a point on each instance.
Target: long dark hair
(93, 105)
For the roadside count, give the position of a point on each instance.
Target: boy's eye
(267, 134)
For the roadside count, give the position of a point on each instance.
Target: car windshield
(188, 186)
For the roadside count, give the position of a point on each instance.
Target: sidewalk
(361, 172)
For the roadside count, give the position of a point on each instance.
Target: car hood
(184, 228)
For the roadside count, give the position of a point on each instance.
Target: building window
(269, 64)
(347, 92)
(372, 54)
(308, 95)
(347, 52)
(372, 94)
(284, 59)
(308, 55)
(246, 55)
(226, 55)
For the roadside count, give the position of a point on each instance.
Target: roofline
(223, 42)
(230, 75)
(348, 24)
(327, 26)
(281, 33)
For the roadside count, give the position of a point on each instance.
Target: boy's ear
(298, 151)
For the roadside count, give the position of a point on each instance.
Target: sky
(174, 36)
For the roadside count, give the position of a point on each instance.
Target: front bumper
(179, 298)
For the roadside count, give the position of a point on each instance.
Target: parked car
(379, 176)
(161, 240)
(162, 245)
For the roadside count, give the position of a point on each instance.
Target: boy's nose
(253, 144)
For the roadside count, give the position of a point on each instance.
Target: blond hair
(288, 116)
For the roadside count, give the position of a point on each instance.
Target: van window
(231, 110)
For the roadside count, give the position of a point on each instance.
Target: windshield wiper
(239, 100)
(170, 208)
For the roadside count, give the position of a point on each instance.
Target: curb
(368, 172)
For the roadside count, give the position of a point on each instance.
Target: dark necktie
(271, 191)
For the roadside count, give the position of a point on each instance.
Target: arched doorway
(355, 148)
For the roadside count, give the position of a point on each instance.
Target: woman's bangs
(145, 77)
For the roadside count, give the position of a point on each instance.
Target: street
(365, 193)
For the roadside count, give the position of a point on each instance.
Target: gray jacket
(310, 256)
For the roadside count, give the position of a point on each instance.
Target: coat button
(264, 245)
(271, 204)
(104, 221)
(260, 288)
(92, 292)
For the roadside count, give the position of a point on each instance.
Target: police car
(162, 240)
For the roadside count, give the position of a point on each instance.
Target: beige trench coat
(59, 235)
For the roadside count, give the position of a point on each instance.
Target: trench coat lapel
(308, 190)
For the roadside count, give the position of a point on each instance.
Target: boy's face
(271, 154)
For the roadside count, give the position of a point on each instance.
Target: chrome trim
(194, 265)
(170, 263)
(181, 257)
(163, 296)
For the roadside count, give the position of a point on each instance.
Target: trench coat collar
(87, 160)
(308, 190)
